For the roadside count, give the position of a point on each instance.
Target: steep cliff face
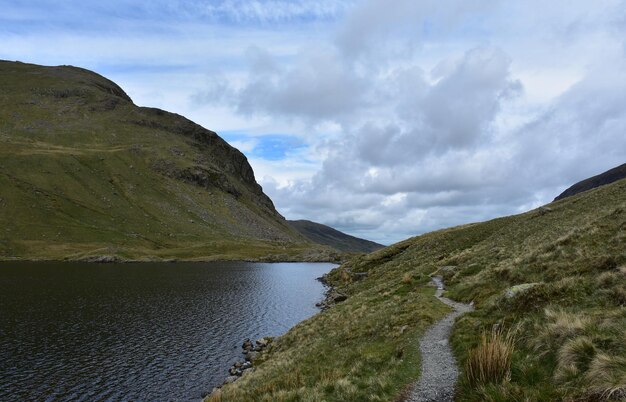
(84, 172)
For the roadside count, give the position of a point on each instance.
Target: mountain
(602, 179)
(549, 291)
(87, 174)
(322, 234)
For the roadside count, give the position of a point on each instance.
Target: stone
(337, 298)
(231, 379)
(357, 276)
(449, 268)
(252, 356)
(517, 289)
(247, 344)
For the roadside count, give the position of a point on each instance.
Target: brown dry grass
(490, 361)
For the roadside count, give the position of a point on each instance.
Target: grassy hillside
(326, 235)
(85, 173)
(554, 278)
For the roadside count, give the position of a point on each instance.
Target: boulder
(448, 268)
(247, 345)
(517, 289)
(252, 356)
(263, 342)
(357, 276)
(338, 297)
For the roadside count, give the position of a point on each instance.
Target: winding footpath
(439, 369)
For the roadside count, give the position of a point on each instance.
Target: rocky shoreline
(331, 295)
(251, 352)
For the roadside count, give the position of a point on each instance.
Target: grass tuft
(574, 357)
(490, 361)
(607, 376)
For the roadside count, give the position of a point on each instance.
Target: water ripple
(81, 332)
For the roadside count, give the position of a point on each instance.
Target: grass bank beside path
(555, 277)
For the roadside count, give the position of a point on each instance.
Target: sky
(383, 119)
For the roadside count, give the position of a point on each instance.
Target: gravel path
(439, 371)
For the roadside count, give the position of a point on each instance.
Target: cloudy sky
(382, 118)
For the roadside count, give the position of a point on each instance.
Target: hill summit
(87, 174)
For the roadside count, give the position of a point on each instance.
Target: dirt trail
(439, 369)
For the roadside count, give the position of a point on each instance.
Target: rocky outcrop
(197, 176)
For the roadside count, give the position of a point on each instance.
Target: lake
(149, 331)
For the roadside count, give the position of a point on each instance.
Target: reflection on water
(165, 331)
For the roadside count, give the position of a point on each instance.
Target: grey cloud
(453, 113)
(586, 124)
(373, 24)
(461, 105)
(216, 90)
(318, 87)
(582, 133)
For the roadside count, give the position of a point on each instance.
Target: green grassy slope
(570, 328)
(84, 172)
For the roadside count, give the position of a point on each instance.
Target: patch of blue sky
(133, 68)
(264, 11)
(89, 13)
(271, 147)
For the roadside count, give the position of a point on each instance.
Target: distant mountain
(87, 174)
(328, 236)
(602, 179)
